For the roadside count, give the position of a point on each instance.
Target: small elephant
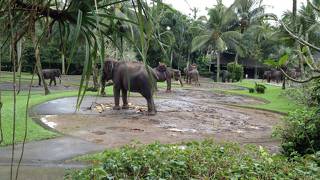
(163, 74)
(130, 76)
(186, 72)
(193, 75)
(50, 74)
(225, 76)
(176, 75)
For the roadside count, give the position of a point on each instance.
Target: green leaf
(220, 45)
(199, 41)
(283, 60)
(271, 62)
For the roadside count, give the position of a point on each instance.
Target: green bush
(236, 71)
(260, 88)
(251, 90)
(301, 135)
(196, 160)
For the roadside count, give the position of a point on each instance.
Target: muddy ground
(185, 114)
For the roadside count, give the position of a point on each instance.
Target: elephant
(186, 70)
(273, 75)
(176, 75)
(50, 74)
(193, 74)
(163, 74)
(267, 76)
(130, 76)
(225, 76)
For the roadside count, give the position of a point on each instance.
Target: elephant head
(109, 65)
(162, 67)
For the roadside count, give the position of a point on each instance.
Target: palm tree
(219, 32)
(249, 13)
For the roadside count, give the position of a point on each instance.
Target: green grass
(274, 95)
(35, 132)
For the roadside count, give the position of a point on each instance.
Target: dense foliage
(196, 160)
(236, 71)
(301, 134)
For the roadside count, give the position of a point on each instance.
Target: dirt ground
(183, 115)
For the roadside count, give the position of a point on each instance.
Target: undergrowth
(195, 160)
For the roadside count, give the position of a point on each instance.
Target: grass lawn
(273, 94)
(35, 132)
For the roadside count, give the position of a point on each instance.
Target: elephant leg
(180, 82)
(168, 84)
(116, 93)
(198, 84)
(125, 99)
(103, 84)
(50, 81)
(54, 80)
(151, 107)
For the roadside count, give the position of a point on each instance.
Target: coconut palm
(220, 33)
(249, 12)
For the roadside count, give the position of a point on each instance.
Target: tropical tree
(220, 33)
(249, 13)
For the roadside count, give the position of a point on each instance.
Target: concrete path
(46, 159)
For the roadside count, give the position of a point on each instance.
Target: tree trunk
(171, 58)
(236, 59)
(294, 10)
(218, 66)
(63, 66)
(255, 71)
(38, 62)
(19, 54)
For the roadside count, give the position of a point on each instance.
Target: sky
(273, 6)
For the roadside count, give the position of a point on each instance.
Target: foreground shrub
(260, 88)
(197, 160)
(236, 71)
(301, 134)
(251, 90)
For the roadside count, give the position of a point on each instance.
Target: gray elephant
(176, 75)
(163, 74)
(186, 72)
(193, 75)
(225, 76)
(130, 76)
(273, 75)
(50, 74)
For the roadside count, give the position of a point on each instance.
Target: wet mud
(183, 115)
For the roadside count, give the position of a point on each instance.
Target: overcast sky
(274, 6)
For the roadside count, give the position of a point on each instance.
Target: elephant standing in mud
(130, 76)
(50, 74)
(193, 75)
(164, 73)
(176, 75)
